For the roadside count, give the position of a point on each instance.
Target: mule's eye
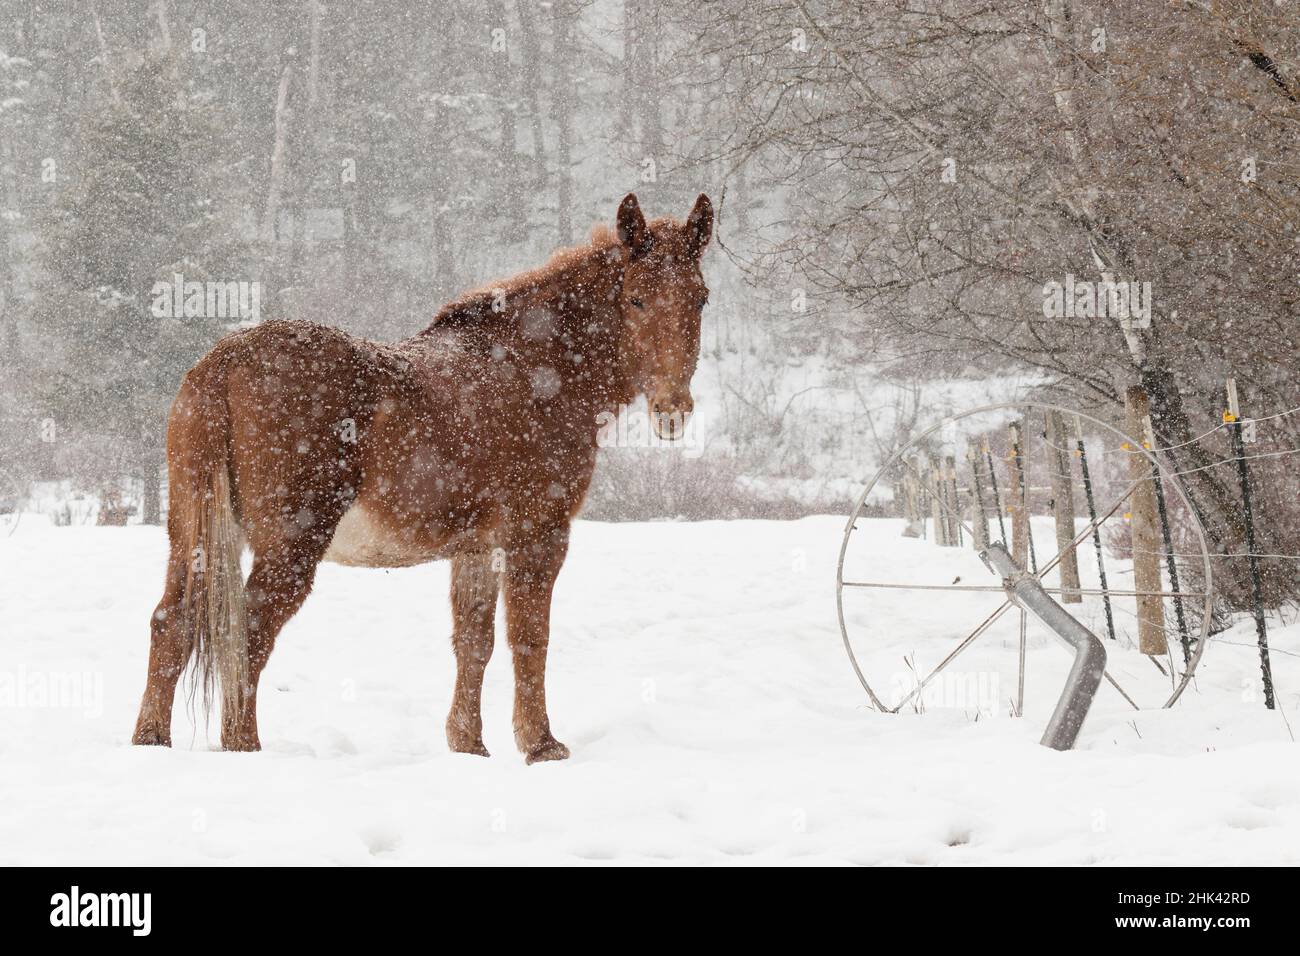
(638, 303)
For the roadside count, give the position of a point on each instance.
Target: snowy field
(696, 672)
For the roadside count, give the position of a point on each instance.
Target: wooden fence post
(914, 521)
(979, 518)
(953, 513)
(1016, 503)
(997, 498)
(1058, 473)
(1145, 528)
(934, 486)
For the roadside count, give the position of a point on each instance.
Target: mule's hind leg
(169, 651)
(473, 607)
(280, 581)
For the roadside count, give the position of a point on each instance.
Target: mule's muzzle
(668, 416)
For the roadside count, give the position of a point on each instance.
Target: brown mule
(473, 438)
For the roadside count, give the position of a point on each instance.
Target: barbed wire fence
(1239, 430)
(1236, 468)
(1256, 492)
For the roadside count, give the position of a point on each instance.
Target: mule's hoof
(151, 738)
(465, 735)
(474, 747)
(550, 750)
(241, 745)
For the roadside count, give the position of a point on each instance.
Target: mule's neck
(566, 313)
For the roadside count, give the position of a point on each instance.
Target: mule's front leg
(531, 569)
(473, 607)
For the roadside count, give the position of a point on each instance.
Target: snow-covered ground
(697, 673)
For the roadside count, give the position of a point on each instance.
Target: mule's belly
(363, 540)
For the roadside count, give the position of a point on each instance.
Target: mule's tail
(214, 605)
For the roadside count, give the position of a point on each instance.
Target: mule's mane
(476, 305)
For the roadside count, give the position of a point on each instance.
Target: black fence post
(1162, 509)
(997, 498)
(1233, 418)
(1096, 531)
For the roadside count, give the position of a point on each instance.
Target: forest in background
(896, 184)
(360, 162)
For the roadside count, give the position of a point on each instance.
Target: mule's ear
(632, 231)
(699, 225)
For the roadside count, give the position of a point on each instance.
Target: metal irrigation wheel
(898, 572)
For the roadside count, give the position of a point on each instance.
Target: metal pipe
(1089, 653)
(993, 587)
